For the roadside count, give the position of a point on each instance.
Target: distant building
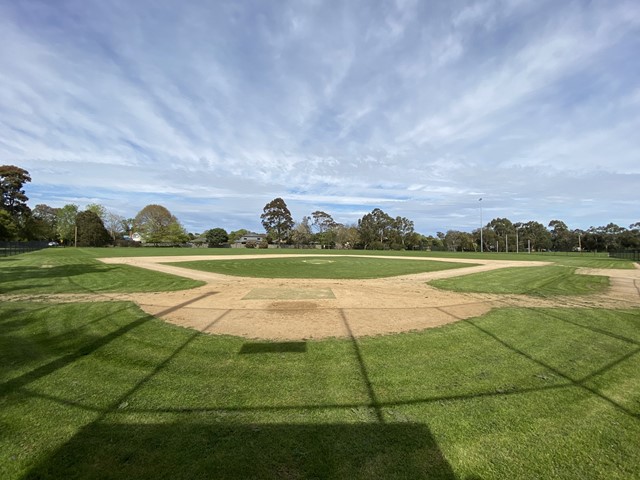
(251, 238)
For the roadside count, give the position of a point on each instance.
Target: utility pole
(481, 242)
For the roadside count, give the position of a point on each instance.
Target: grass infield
(537, 281)
(320, 267)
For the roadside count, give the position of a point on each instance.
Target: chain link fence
(8, 249)
(627, 254)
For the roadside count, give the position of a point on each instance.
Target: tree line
(377, 230)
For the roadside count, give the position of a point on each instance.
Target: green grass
(320, 267)
(538, 281)
(102, 390)
(75, 271)
(590, 260)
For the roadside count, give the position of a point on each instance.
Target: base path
(295, 309)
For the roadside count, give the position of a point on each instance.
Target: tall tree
(91, 231)
(374, 229)
(66, 223)
(276, 220)
(562, 239)
(325, 226)
(14, 200)
(404, 230)
(157, 225)
(501, 227)
(98, 209)
(44, 219)
(536, 234)
(114, 224)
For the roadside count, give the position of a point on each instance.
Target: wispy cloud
(414, 107)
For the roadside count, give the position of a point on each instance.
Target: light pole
(481, 244)
(517, 241)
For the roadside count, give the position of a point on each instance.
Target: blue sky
(420, 108)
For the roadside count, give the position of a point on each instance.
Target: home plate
(289, 294)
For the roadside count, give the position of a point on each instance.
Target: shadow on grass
(88, 346)
(229, 451)
(12, 276)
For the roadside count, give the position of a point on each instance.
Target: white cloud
(415, 107)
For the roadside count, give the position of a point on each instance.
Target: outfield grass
(75, 271)
(320, 267)
(102, 390)
(538, 281)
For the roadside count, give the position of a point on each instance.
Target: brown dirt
(292, 309)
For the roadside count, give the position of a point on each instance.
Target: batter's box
(289, 294)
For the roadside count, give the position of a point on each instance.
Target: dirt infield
(296, 309)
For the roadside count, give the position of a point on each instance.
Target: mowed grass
(75, 271)
(320, 267)
(102, 390)
(590, 260)
(537, 281)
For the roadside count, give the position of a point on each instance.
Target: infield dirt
(299, 309)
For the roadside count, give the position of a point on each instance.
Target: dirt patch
(298, 309)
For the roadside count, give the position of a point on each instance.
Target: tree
(44, 219)
(501, 227)
(115, 224)
(562, 239)
(458, 241)
(301, 234)
(8, 227)
(14, 200)
(216, 237)
(66, 222)
(374, 229)
(157, 225)
(403, 229)
(98, 209)
(537, 234)
(276, 220)
(176, 234)
(347, 236)
(91, 231)
(325, 225)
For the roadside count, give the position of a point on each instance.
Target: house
(249, 238)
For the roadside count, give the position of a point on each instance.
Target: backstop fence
(15, 248)
(627, 254)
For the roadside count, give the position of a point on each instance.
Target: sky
(420, 108)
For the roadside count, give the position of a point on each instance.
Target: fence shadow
(185, 450)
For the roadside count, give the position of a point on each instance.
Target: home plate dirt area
(296, 309)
